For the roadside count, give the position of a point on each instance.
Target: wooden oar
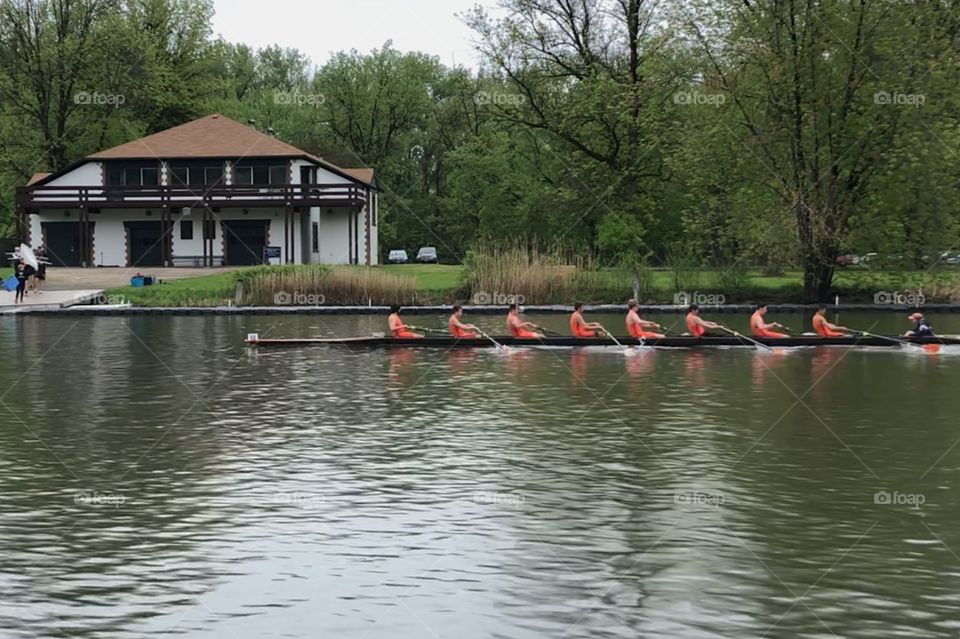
(615, 340)
(499, 346)
(749, 339)
(427, 330)
(547, 331)
(930, 348)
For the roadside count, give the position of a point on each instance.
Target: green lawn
(429, 277)
(205, 290)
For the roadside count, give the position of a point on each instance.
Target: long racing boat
(377, 341)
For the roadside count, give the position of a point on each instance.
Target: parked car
(398, 256)
(427, 254)
(948, 257)
(847, 259)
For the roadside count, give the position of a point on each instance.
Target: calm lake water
(158, 478)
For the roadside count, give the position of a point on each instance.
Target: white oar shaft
(753, 341)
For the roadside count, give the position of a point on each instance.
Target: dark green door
(144, 241)
(244, 241)
(62, 240)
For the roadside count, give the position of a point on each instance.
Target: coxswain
(921, 327)
(397, 327)
(696, 325)
(458, 328)
(636, 325)
(823, 328)
(519, 328)
(580, 327)
(759, 328)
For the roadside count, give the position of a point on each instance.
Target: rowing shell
(668, 342)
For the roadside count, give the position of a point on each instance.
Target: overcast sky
(321, 27)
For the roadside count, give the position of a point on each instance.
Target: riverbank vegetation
(532, 279)
(720, 136)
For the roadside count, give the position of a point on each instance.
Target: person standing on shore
(23, 273)
(41, 276)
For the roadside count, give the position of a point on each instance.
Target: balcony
(34, 199)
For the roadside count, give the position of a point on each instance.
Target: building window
(278, 175)
(149, 177)
(210, 230)
(243, 175)
(180, 176)
(316, 237)
(212, 175)
(186, 229)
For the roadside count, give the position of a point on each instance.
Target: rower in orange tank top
(519, 328)
(636, 324)
(459, 329)
(580, 327)
(759, 328)
(696, 325)
(397, 327)
(824, 328)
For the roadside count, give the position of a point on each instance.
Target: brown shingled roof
(213, 136)
(364, 175)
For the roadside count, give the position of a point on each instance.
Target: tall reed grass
(315, 285)
(536, 277)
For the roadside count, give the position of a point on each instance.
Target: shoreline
(544, 309)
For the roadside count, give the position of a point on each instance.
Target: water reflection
(157, 477)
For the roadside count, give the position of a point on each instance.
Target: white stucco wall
(89, 174)
(374, 239)
(334, 236)
(110, 239)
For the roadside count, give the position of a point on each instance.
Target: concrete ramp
(47, 300)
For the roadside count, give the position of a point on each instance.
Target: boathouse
(211, 192)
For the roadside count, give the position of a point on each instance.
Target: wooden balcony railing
(252, 195)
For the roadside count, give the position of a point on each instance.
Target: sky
(321, 27)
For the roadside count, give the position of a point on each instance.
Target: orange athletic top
(513, 325)
(820, 326)
(635, 328)
(455, 330)
(693, 328)
(576, 326)
(755, 321)
(396, 327)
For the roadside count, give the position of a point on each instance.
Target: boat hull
(665, 342)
